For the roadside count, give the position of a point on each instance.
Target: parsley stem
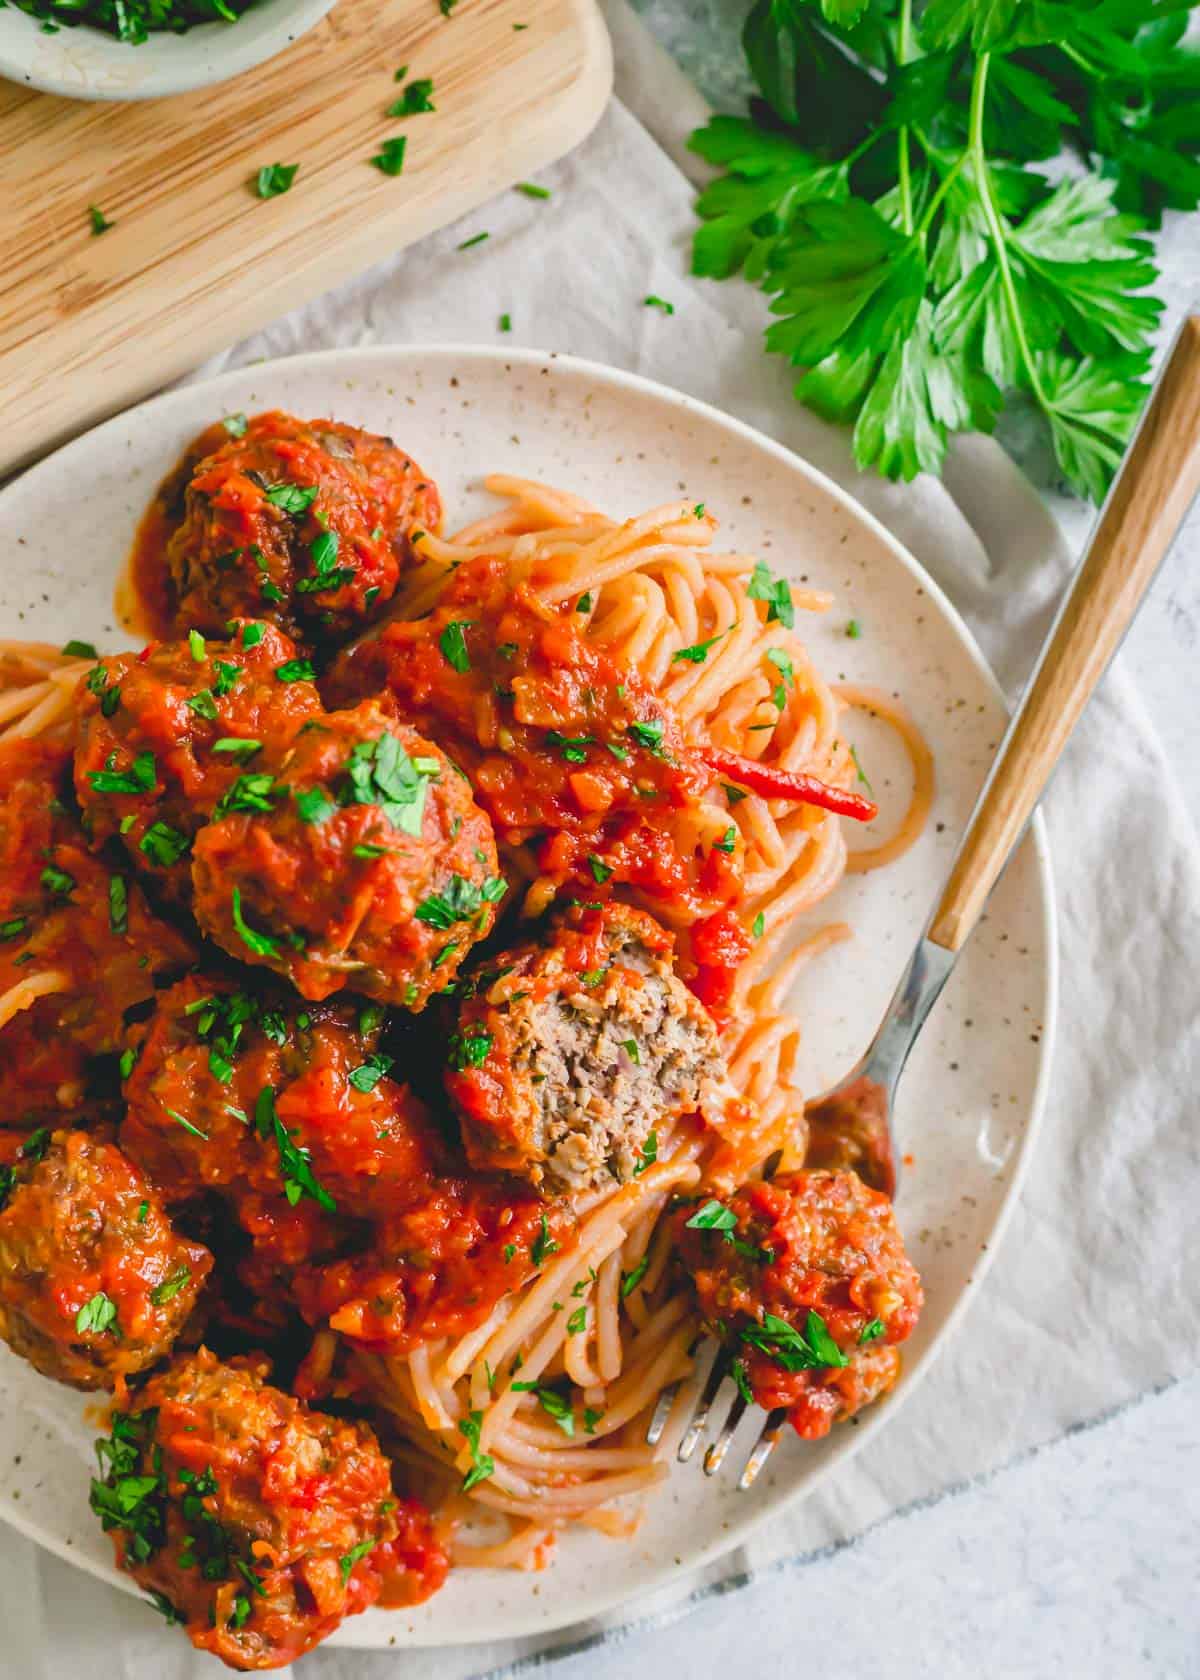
(995, 225)
(947, 181)
(903, 48)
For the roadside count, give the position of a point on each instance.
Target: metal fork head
(714, 1457)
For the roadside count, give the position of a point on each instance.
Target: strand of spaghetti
(588, 1458)
(890, 711)
(520, 1551)
(463, 1353)
(534, 495)
(608, 1319)
(575, 1351)
(28, 990)
(568, 1502)
(15, 701)
(429, 1398)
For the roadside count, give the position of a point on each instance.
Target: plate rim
(732, 1533)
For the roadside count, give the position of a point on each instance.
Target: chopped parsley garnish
(259, 943)
(252, 634)
(653, 302)
(600, 870)
(294, 1162)
(532, 190)
(630, 1047)
(728, 840)
(366, 1076)
(713, 1216)
(123, 1499)
(476, 239)
(459, 901)
(738, 1372)
(275, 178)
(197, 646)
(871, 1331)
(853, 629)
(814, 1349)
(509, 1250)
(453, 643)
(506, 322)
(585, 602)
(118, 904)
(235, 425)
(163, 845)
(415, 100)
(381, 773)
(544, 1244)
(79, 650)
(468, 1050)
(577, 1321)
(313, 806)
(97, 1315)
(649, 735)
(699, 651)
(182, 1120)
(591, 1416)
(551, 1403)
(389, 159)
(482, 1464)
(57, 882)
(783, 664)
(364, 849)
(170, 1287)
(237, 746)
(758, 924)
(248, 793)
(13, 928)
(326, 574)
(220, 1021)
(36, 1144)
(571, 746)
(290, 498)
(776, 592)
(349, 1559)
(139, 778)
(203, 705)
(648, 1155)
(296, 670)
(861, 774)
(100, 222)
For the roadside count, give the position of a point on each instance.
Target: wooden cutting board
(195, 260)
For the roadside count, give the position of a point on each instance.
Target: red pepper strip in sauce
(770, 783)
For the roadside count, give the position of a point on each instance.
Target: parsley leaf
(275, 178)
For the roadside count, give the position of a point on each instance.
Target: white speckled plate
(971, 1097)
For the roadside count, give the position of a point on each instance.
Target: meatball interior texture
(573, 1050)
(168, 736)
(375, 871)
(95, 1284)
(807, 1275)
(304, 522)
(256, 1521)
(285, 1109)
(65, 914)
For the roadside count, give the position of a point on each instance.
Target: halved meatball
(808, 1278)
(271, 1102)
(167, 736)
(373, 869)
(256, 1521)
(94, 1282)
(304, 522)
(79, 946)
(575, 1047)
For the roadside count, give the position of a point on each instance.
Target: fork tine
(767, 1441)
(696, 1428)
(662, 1412)
(715, 1456)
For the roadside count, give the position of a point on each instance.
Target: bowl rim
(191, 61)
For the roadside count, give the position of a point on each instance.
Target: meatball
(168, 735)
(79, 948)
(272, 1103)
(376, 871)
(571, 1051)
(94, 1282)
(808, 1277)
(307, 523)
(254, 1520)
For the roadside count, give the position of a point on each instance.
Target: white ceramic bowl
(87, 63)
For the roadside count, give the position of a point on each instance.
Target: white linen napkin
(1090, 1302)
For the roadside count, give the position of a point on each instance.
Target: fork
(851, 1124)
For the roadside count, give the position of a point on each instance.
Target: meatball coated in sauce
(307, 523)
(807, 1275)
(574, 1048)
(260, 1522)
(74, 929)
(288, 1110)
(94, 1282)
(375, 870)
(166, 735)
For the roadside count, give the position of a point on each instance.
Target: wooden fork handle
(1145, 507)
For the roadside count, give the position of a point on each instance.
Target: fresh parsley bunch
(920, 269)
